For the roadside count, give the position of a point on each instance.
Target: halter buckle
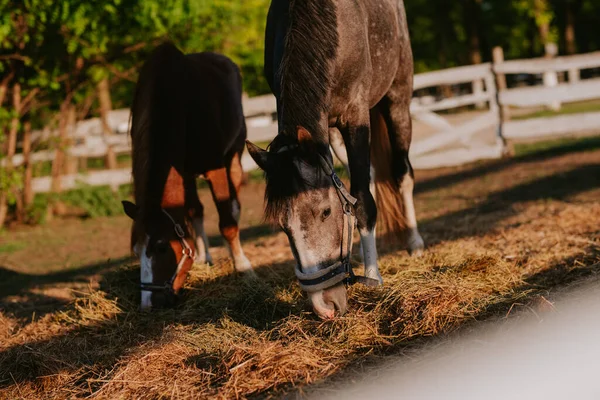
(179, 231)
(336, 181)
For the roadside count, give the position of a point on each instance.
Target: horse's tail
(156, 112)
(390, 211)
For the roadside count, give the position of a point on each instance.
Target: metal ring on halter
(186, 251)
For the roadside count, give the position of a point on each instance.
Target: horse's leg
(356, 134)
(224, 189)
(395, 108)
(336, 141)
(196, 213)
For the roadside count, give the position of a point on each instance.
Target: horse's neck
(173, 194)
(306, 67)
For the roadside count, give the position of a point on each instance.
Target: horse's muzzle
(329, 302)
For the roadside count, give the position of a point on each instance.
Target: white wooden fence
(437, 149)
(438, 139)
(572, 91)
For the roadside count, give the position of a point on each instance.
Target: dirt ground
(501, 235)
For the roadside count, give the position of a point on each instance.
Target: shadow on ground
(18, 299)
(484, 168)
(97, 346)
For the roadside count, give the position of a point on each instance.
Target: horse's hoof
(249, 274)
(373, 273)
(204, 260)
(242, 264)
(415, 243)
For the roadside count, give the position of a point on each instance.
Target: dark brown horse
(342, 73)
(187, 120)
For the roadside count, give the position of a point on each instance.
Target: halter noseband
(186, 252)
(340, 271)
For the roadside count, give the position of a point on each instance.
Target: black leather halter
(186, 252)
(340, 271)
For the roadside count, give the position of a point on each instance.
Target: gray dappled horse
(341, 70)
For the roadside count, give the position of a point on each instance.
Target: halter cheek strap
(341, 271)
(186, 252)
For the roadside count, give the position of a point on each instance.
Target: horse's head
(164, 246)
(303, 196)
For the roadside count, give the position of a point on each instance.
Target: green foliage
(440, 35)
(59, 50)
(11, 247)
(37, 212)
(96, 201)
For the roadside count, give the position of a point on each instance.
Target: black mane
(310, 45)
(155, 115)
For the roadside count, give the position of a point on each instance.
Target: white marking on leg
(240, 261)
(146, 275)
(372, 184)
(414, 241)
(202, 252)
(369, 249)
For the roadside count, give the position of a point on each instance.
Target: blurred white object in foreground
(548, 355)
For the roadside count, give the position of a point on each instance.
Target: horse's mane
(306, 77)
(310, 46)
(155, 116)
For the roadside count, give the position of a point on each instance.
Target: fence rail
(438, 139)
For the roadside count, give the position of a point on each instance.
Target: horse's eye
(326, 213)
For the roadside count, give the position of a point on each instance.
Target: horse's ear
(304, 136)
(261, 157)
(130, 209)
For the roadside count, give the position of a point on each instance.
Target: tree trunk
(444, 30)
(570, 45)
(14, 125)
(4, 87)
(71, 162)
(105, 104)
(3, 195)
(472, 17)
(11, 149)
(28, 167)
(572, 9)
(472, 14)
(59, 158)
(540, 8)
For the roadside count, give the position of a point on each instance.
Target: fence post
(478, 89)
(574, 75)
(111, 158)
(498, 58)
(502, 110)
(551, 77)
(71, 162)
(59, 157)
(104, 99)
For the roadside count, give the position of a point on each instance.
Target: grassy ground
(501, 235)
